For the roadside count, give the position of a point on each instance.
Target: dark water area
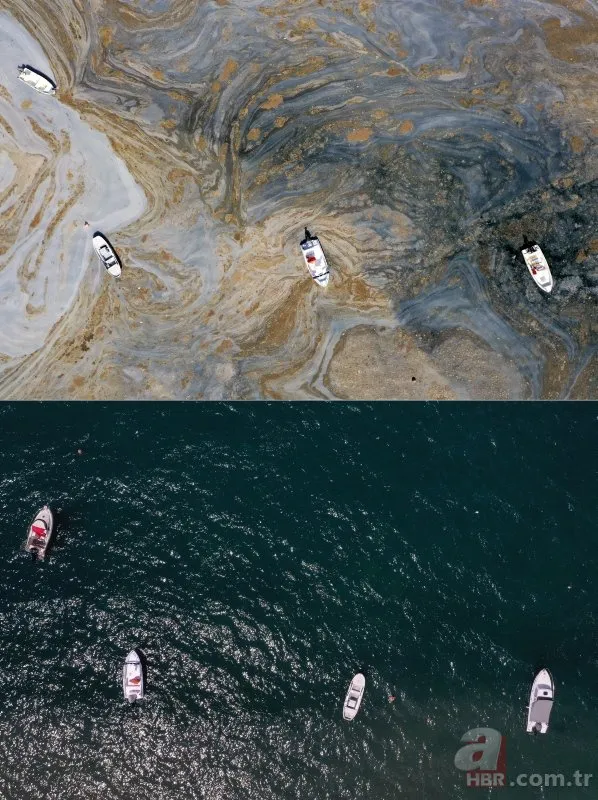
(423, 141)
(260, 556)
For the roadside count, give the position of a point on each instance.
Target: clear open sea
(259, 555)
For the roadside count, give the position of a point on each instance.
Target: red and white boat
(314, 258)
(40, 533)
(538, 267)
(133, 677)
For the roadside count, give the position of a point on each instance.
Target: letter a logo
(483, 757)
(482, 751)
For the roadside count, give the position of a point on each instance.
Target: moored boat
(354, 697)
(37, 80)
(40, 532)
(540, 702)
(538, 267)
(133, 677)
(106, 254)
(314, 258)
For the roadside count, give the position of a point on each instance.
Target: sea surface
(261, 555)
(421, 140)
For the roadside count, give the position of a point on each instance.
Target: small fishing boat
(37, 80)
(354, 697)
(538, 267)
(106, 254)
(540, 702)
(315, 260)
(133, 677)
(40, 533)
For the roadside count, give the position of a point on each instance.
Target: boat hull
(538, 267)
(354, 697)
(315, 260)
(106, 253)
(37, 80)
(133, 684)
(40, 533)
(540, 703)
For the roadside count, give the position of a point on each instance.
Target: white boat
(314, 258)
(354, 697)
(106, 254)
(133, 677)
(538, 267)
(540, 702)
(40, 533)
(37, 80)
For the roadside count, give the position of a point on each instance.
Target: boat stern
(548, 288)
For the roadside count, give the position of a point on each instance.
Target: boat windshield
(107, 256)
(38, 530)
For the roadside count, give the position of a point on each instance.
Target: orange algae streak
(273, 101)
(360, 135)
(106, 35)
(229, 69)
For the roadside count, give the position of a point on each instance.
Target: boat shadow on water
(528, 242)
(514, 250)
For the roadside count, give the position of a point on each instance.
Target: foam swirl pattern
(420, 140)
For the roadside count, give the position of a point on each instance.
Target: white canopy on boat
(354, 697)
(133, 677)
(540, 702)
(37, 80)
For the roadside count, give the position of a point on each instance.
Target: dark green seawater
(260, 555)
